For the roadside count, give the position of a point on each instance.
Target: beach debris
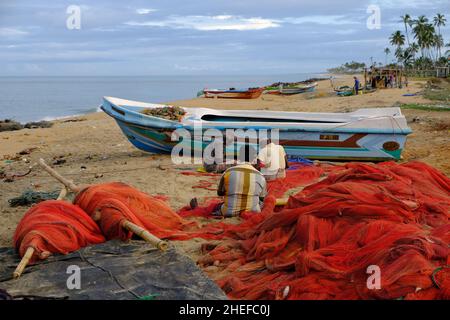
(98, 175)
(168, 112)
(53, 227)
(10, 125)
(10, 177)
(29, 197)
(27, 151)
(122, 211)
(38, 124)
(74, 120)
(58, 162)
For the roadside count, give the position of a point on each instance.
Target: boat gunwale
(170, 124)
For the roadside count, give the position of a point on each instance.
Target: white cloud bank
(239, 23)
(12, 32)
(210, 23)
(145, 10)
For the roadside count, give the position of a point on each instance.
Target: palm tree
(399, 54)
(406, 19)
(424, 33)
(413, 49)
(438, 43)
(439, 21)
(397, 39)
(386, 52)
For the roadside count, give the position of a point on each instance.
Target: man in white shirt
(273, 161)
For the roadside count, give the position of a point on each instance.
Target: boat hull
(250, 94)
(292, 90)
(350, 146)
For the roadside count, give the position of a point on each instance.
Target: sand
(95, 150)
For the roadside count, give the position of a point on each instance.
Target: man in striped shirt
(243, 188)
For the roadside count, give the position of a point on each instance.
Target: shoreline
(94, 108)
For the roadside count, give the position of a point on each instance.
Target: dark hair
(247, 153)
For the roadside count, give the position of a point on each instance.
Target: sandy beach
(95, 150)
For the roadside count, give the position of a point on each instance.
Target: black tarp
(111, 271)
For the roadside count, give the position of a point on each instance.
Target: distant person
(273, 161)
(356, 85)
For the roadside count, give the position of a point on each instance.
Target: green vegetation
(426, 107)
(348, 68)
(438, 89)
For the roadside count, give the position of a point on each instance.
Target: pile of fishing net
(111, 203)
(330, 236)
(55, 227)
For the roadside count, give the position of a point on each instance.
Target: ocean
(46, 98)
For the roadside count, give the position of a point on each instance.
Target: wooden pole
(23, 263)
(62, 194)
(281, 202)
(147, 236)
(68, 183)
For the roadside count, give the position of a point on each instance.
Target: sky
(190, 37)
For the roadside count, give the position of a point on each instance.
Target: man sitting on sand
(273, 161)
(242, 187)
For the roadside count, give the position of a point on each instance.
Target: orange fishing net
(112, 203)
(55, 227)
(321, 244)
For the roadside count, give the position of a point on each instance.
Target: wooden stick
(281, 201)
(23, 263)
(62, 194)
(68, 183)
(147, 236)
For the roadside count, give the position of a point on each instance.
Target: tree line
(421, 45)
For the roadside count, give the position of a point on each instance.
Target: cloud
(210, 23)
(321, 19)
(145, 10)
(12, 32)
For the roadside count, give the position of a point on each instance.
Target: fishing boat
(232, 93)
(374, 134)
(290, 90)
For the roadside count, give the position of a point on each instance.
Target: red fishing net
(112, 203)
(321, 244)
(55, 227)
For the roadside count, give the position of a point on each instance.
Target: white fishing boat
(374, 134)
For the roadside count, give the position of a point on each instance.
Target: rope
(433, 275)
